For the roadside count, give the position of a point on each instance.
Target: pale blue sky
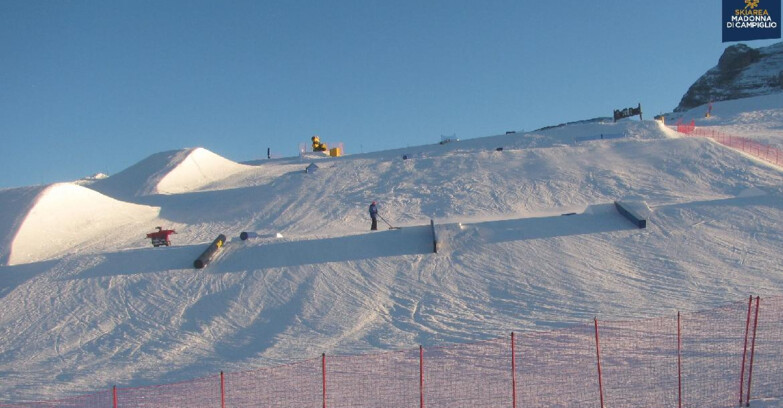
(96, 86)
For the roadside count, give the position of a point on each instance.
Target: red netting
(557, 368)
(470, 375)
(202, 392)
(639, 356)
(97, 400)
(767, 373)
(712, 348)
(292, 385)
(381, 380)
(715, 358)
(762, 151)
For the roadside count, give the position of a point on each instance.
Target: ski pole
(384, 220)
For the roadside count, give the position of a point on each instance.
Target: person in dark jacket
(374, 216)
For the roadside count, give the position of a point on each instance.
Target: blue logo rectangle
(745, 20)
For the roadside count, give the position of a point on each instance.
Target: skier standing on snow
(374, 216)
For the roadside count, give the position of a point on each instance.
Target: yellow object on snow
(317, 145)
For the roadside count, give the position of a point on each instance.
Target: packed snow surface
(529, 240)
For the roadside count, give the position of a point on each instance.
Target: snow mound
(66, 218)
(172, 172)
(197, 170)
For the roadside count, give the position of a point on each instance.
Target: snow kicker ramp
(64, 218)
(172, 172)
(16, 203)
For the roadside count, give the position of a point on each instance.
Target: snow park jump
(87, 304)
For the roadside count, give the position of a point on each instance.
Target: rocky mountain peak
(741, 72)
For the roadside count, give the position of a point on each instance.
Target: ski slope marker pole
(598, 361)
(679, 362)
(745, 351)
(421, 376)
(752, 350)
(222, 391)
(323, 376)
(513, 374)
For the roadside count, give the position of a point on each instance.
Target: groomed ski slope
(84, 311)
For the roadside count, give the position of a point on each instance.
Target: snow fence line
(754, 148)
(722, 357)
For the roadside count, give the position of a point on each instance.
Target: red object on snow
(160, 237)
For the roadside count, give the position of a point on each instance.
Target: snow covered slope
(118, 311)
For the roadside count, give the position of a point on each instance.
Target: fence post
(679, 362)
(222, 391)
(752, 350)
(421, 376)
(745, 351)
(513, 374)
(323, 376)
(114, 396)
(598, 359)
